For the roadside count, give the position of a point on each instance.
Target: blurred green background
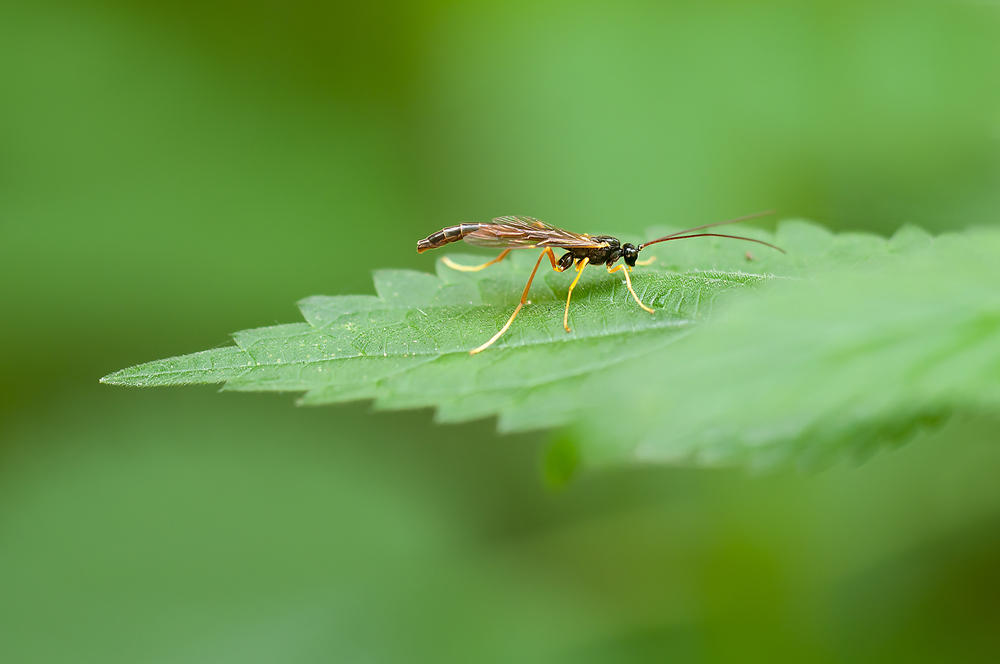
(173, 172)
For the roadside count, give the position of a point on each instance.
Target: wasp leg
(552, 259)
(648, 261)
(579, 273)
(628, 282)
(474, 268)
(555, 264)
(524, 298)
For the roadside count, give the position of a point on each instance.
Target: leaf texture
(852, 360)
(757, 356)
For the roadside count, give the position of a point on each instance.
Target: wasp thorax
(608, 251)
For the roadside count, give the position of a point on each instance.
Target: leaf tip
(120, 377)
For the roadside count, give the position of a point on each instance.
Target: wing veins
(526, 233)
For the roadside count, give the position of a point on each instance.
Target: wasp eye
(630, 253)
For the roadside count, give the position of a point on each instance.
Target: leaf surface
(749, 355)
(853, 359)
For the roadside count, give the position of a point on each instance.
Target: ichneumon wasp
(515, 232)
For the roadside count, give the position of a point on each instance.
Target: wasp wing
(527, 233)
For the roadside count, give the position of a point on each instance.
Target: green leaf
(854, 359)
(810, 334)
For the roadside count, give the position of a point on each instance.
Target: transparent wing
(525, 233)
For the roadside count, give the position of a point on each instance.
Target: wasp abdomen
(445, 236)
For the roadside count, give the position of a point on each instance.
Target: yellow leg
(524, 298)
(474, 268)
(552, 259)
(628, 282)
(579, 272)
(649, 261)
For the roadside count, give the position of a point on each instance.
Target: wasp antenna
(731, 237)
(718, 223)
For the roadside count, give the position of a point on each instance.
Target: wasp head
(630, 253)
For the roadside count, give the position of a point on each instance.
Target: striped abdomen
(445, 236)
